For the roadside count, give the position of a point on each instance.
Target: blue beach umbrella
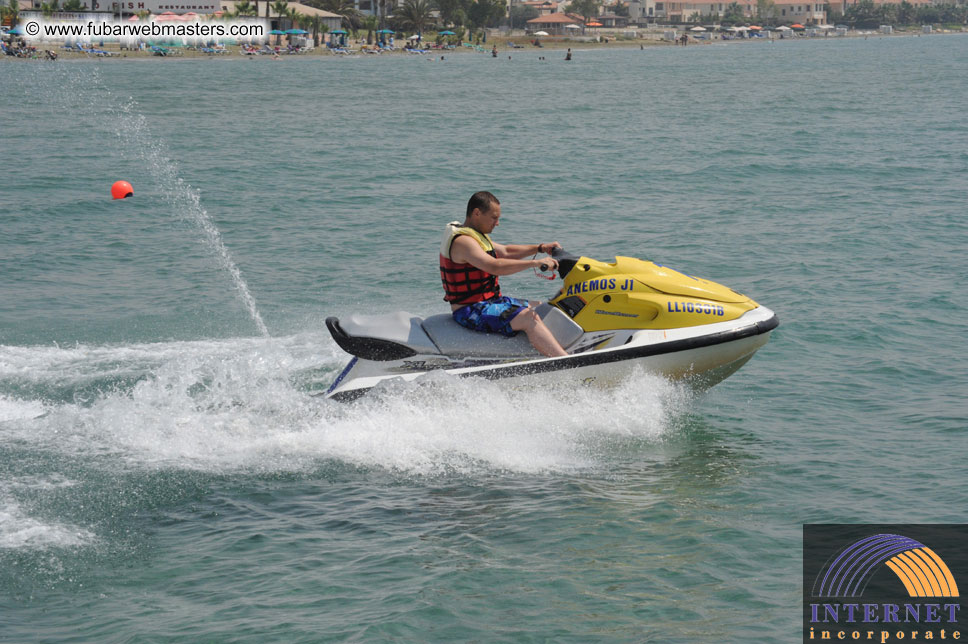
(276, 32)
(296, 32)
(337, 31)
(386, 31)
(446, 33)
(16, 31)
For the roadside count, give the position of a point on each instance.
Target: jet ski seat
(456, 341)
(392, 336)
(395, 336)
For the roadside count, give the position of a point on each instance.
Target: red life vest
(463, 282)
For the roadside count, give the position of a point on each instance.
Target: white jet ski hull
(702, 355)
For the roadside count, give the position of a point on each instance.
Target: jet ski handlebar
(566, 261)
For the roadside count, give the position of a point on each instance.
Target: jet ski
(611, 318)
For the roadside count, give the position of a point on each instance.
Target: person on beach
(470, 264)
(568, 55)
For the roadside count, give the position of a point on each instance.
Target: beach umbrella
(698, 29)
(16, 31)
(797, 26)
(276, 32)
(783, 28)
(593, 24)
(386, 31)
(541, 33)
(446, 33)
(572, 27)
(755, 28)
(296, 32)
(338, 31)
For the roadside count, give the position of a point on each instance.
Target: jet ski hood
(632, 293)
(659, 278)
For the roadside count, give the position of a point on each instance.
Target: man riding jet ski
(470, 263)
(605, 321)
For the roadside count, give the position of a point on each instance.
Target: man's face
(486, 221)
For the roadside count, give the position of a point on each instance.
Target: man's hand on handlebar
(546, 264)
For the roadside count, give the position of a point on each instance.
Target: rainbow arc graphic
(919, 568)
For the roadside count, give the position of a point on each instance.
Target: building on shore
(800, 11)
(130, 7)
(543, 7)
(265, 10)
(805, 12)
(841, 6)
(556, 23)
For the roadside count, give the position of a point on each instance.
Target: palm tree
(381, 12)
(370, 23)
(280, 7)
(448, 10)
(415, 14)
(12, 10)
(245, 8)
(345, 8)
(314, 24)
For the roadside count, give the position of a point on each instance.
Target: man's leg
(538, 334)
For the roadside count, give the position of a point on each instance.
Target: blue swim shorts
(491, 316)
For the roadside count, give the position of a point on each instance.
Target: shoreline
(524, 46)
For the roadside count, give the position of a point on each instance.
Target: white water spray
(132, 128)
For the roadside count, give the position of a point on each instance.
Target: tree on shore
(48, 8)
(522, 13)
(587, 9)
(345, 8)
(485, 13)
(867, 15)
(371, 24)
(906, 13)
(11, 11)
(448, 10)
(313, 24)
(734, 15)
(414, 14)
(766, 13)
(242, 9)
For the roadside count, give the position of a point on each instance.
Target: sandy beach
(513, 45)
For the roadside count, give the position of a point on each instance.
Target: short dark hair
(483, 200)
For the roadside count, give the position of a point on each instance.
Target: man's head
(483, 212)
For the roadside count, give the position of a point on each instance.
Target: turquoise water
(166, 474)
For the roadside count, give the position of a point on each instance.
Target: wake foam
(244, 404)
(18, 530)
(13, 409)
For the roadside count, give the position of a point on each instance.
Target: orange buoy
(121, 190)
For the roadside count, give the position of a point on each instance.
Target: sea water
(166, 473)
